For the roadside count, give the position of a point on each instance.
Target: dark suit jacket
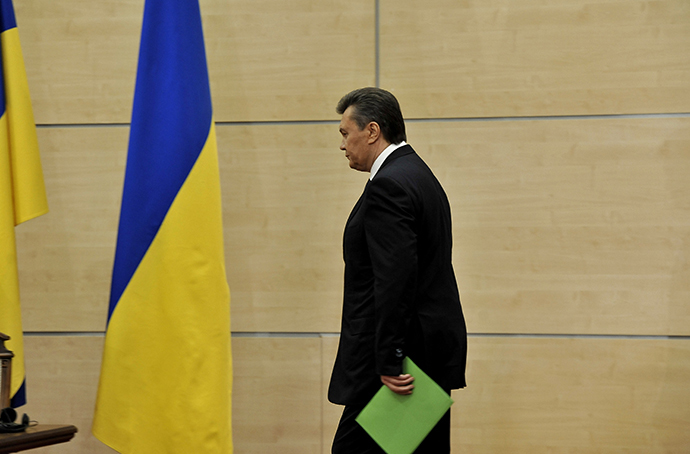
(401, 298)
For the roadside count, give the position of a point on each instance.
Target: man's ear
(374, 131)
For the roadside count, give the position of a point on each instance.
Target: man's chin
(354, 166)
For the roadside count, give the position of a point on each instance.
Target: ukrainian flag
(166, 376)
(22, 192)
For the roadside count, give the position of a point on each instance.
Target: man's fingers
(401, 384)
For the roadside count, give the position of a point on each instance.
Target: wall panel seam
(243, 334)
(408, 120)
(377, 43)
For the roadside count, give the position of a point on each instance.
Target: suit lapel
(358, 205)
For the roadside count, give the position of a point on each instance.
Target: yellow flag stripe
(166, 376)
(22, 192)
(10, 313)
(27, 174)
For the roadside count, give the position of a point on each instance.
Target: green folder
(400, 423)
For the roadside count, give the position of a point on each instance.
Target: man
(400, 298)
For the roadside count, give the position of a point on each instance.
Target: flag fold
(22, 190)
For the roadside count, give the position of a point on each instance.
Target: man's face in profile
(355, 143)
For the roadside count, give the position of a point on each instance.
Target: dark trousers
(350, 438)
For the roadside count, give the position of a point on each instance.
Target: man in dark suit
(401, 297)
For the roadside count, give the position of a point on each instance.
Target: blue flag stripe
(19, 398)
(171, 120)
(7, 21)
(7, 18)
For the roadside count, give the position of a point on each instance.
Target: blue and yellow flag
(22, 191)
(166, 376)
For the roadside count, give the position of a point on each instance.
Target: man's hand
(401, 384)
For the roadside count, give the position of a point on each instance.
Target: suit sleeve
(389, 223)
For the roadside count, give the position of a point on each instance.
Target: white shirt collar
(382, 157)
